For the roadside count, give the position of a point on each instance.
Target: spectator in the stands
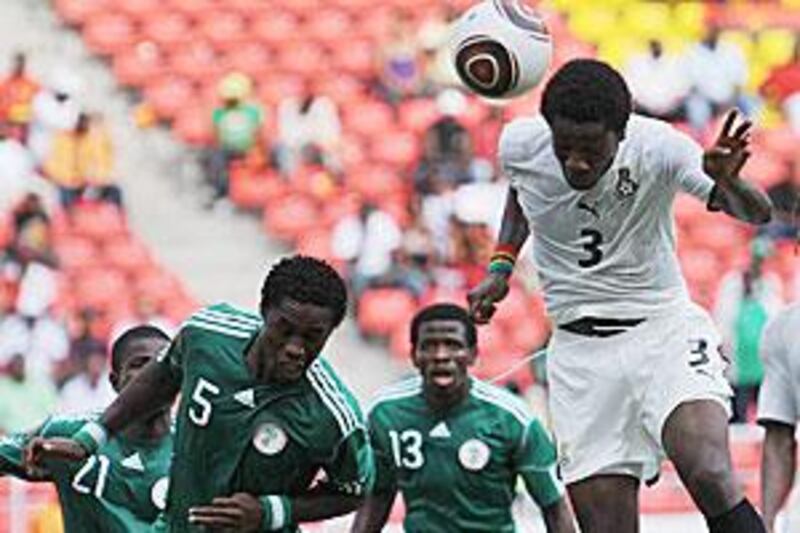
(659, 82)
(25, 401)
(447, 156)
(307, 119)
(89, 389)
(55, 109)
(81, 163)
(366, 241)
(782, 87)
(745, 301)
(237, 127)
(18, 176)
(436, 64)
(718, 73)
(399, 62)
(785, 196)
(97, 162)
(16, 96)
(147, 311)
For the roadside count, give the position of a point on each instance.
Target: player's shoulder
(500, 401)
(523, 138)
(65, 425)
(223, 319)
(333, 398)
(786, 321)
(395, 395)
(651, 134)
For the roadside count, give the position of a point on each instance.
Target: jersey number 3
(591, 239)
(407, 448)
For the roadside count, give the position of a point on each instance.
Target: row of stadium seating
(151, 49)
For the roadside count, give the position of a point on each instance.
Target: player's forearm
(777, 470)
(151, 391)
(514, 229)
(558, 518)
(320, 506)
(372, 516)
(742, 201)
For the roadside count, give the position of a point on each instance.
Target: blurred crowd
(56, 163)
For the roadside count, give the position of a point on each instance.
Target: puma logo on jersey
(591, 208)
(440, 431)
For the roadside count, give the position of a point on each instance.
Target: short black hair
(306, 280)
(119, 350)
(587, 90)
(444, 311)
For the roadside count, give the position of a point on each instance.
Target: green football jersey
(457, 471)
(235, 434)
(121, 488)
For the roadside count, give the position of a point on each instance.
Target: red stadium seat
(375, 182)
(380, 310)
(252, 58)
(127, 255)
(316, 243)
(370, 119)
(278, 87)
(169, 95)
(139, 8)
(193, 125)
(108, 33)
(78, 11)
(303, 58)
(355, 56)
(256, 190)
(190, 7)
(274, 27)
(396, 149)
(417, 115)
(136, 65)
(765, 168)
(197, 61)
(223, 27)
(171, 30)
(328, 25)
(343, 90)
(291, 218)
(158, 285)
(101, 287)
(99, 222)
(75, 253)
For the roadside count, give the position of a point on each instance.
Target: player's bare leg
(695, 438)
(606, 503)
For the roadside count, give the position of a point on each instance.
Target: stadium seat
(328, 25)
(397, 149)
(380, 310)
(169, 95)
(253, 59)
(304, 58)
(78, 11)
(223, 27)
(108, 33)
(127, 255)
(170, 29)
(255, 190)
(375, 183)
(136, 65)
(75, 253)
(417, 115)
(98, 222)
(197, 61)
(193, 126)
(354, 55)
(370, 119)
(139, 8)
(292, 217)
(273, 27)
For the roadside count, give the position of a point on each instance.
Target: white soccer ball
(501, 48)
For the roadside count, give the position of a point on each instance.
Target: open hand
(240, 512)
(40, 449)
(484, 297)
(727, 156)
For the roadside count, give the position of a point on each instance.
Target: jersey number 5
(407, 448)
(591, 241)
(200, 410)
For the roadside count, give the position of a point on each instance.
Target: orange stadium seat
(197, 61)
(370, 118)
(223, 27)
(157, 284)
(417, 115)
(77, 11)
(304, 58)
(136, 65)
(98, 222)
(256, 190)
(170, 29)
(76, 253)
(139, 8)
(380, 310)
(343, 90)
(101, 287)
(127, 255)
(278, 87)
(396, 149)
(329, 25)
(292, 217)
(354, 55)
(273, 27)
(253, 59)
(193, 125)
(190, 7)
(169, 95)
(108, 33)
(375, 182)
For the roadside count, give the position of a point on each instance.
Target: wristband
(501, 266)
(506, 248)
(91, 436)
(276, 512)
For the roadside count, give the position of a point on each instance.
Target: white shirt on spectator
(779, 398)
(369, 243)
(319, 124)
(79, 396)
(659, 84)
(717, 73)
(481, 203)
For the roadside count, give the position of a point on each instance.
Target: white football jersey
(608, 251)
(779, 397)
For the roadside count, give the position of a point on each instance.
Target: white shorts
(610, 396)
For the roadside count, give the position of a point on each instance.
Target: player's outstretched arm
(153, 389)
(373, 515)
(558, 517)
(514, 231)
(777, 469)
(722, 162)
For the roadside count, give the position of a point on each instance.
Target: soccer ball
(501, 48)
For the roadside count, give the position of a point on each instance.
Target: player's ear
(414, 358)
(113, 377)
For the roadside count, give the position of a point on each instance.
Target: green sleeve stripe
(244, 321)
(338, 407)
(218, 329)
(504, 403)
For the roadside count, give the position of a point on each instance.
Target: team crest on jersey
(473, 455)
(158, 494)
(270, 438)
(626, 187)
